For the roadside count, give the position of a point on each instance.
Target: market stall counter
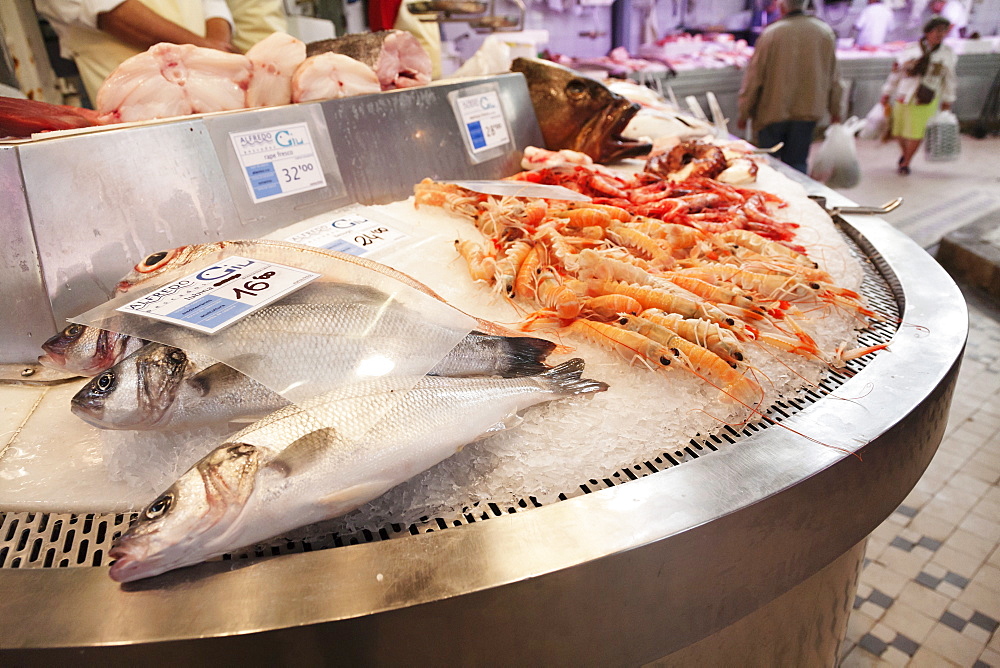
(741, 544)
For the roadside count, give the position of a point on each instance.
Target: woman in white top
(922, 80)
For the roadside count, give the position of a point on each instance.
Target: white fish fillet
(332, 75)
(275, 59)
(174, 80)
(304, 464)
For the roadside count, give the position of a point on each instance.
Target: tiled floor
(929, 593)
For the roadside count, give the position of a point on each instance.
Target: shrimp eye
(730, 322)
(154, 259)
(738, 357)
(814, 286)
(665, 361)
(623, 321)
(159, 507)
(676, 352)
(73, 330)
(105, 382)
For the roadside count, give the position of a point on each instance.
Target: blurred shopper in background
(791, 83)
(922, 80)
(873, 24)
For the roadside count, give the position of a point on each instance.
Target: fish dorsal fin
(213, 375)
(304, 451)
(346, 500)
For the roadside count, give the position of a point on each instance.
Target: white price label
(350, 233)
(483, 120)
(219, 295)
(278, 161)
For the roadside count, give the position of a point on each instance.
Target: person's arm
(836, 90)
(134, 23)
(891, 82)
(219, 24)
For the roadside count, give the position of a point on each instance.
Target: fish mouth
(609, 127)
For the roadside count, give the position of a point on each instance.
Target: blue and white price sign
(219, 295)
(351, 233)
(483, 120)
(278, 161)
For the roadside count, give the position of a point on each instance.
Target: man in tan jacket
(791, 83)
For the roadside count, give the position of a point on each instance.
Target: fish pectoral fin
(204, 380)
(304, 451)
(508, 422)
(346, 500)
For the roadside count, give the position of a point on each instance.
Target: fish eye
(576, 88)
(154, 259)
(159, 507)
(105, 382)
(73, 330)
(177, 355)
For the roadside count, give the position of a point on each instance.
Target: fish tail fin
(524, 356)
(567, 379)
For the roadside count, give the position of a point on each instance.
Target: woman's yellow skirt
(909, 121)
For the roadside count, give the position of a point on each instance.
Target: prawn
(707, 334)
(552, 294)
(507, 266)
(608, 307)
(482, 266)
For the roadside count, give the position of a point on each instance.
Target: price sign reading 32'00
(278, 161)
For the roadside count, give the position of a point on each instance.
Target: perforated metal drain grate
(43, 540)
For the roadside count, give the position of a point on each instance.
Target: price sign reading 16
(255, 283)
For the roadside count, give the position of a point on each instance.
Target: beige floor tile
(957, 562)
(858, 624)
(932, 526)
(949, 643)
(905, 563)
(984, 527)
(895, 657)
(928, 658)
(995, 557)
(960, 497)
(926, 600)
(968, 485)
(962, 610)
(981, 598)
(989, 577)
(944, 510)
(971, 544)
(994, 643)
(886, 581)
(986, 458)
(870, 609)
(990, 657)
(909, 621)
(949, 590)
(916, 498)
(973, 632)
(861, 658)
(986, 507)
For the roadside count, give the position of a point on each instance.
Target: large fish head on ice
(138, 392)
(579, 113)
(84, 350)
(192, 521)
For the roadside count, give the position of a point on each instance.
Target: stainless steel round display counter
(744, 546)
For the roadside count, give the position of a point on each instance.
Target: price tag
(278, 161)
(219, 295)
(350, 233)
(483, 120)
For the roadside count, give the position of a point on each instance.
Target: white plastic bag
(877, 123)
(941, 141)
(835, 162)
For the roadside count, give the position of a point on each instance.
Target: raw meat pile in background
(170, 80)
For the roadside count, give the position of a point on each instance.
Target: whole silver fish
(163, 387)
(90, 350)
(303, 464)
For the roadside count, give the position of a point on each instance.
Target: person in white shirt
(873, 24)
(101, 34)
(955, 12)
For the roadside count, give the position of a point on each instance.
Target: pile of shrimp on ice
(672, 266)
